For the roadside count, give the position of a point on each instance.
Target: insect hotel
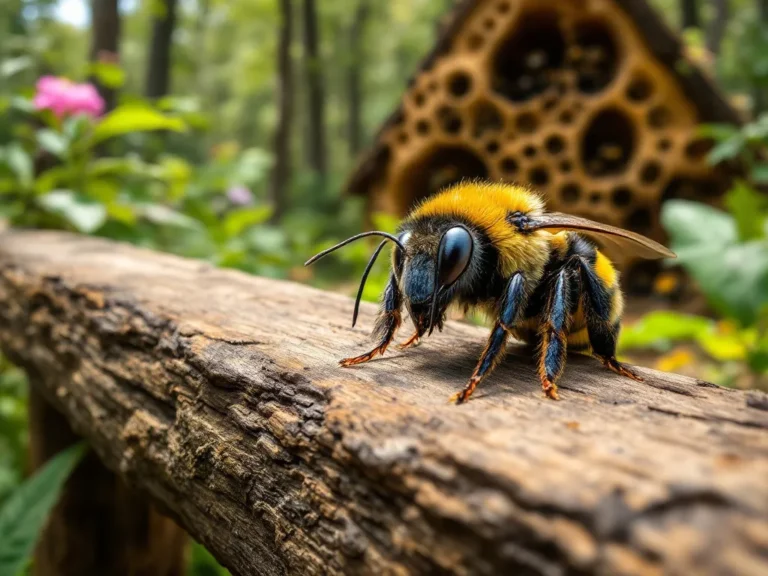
(591, 102)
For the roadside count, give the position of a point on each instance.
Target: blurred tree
(316, 149)
(354, 83)
(282, 143)
(689, 14)
(159, 57)
(105, 41)
(717, 25)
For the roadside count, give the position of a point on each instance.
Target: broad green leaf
(749, 210)
(723, 346)
(717, 132)
(13, 66)
(659, 330)
(52, 142)
(727, 149)
(692, 224)
(108, 74)
(238, 220)
(86, 216)
(25, 513)
(162, 215)
(19, 162)
(760, 173)
(130, 118)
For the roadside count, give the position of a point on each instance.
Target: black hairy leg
(603, 333)
(386, 325)
(511, 305)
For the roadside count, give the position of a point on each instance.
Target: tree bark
(282, 143)
(159, 58)
(105, 41)
(354, 78)
(316, 145)
(689, 14)
(99, 526)
(219, 394)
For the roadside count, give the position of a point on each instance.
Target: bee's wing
(628, 243)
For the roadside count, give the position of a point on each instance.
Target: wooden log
(219, 394)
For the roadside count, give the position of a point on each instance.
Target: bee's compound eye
(399, 253)
(455, 252)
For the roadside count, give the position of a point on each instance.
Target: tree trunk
(105, 41)
(689, 14)
(316, 151)
(282, 147)
(354, 78)
(717, 26)
(760, 96)
(159, 64)
(100, 525)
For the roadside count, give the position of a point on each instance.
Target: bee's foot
(413, 341)
(550, 389)
(463, 395)
(615, 366)
(363, 358)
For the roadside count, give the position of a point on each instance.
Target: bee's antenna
(394, 239)
(364, 278)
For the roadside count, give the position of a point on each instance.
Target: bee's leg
(553, 333)
(602, 328)
(412, 341)
(511, 305)
(386, 325)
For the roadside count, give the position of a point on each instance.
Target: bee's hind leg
(386, 325)
(553, 334)
(602, 328)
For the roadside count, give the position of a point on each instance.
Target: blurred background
(228, 130)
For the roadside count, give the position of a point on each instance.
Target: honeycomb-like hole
(659, 117)
(444, 167)
(449, 120)
(509, 165)
(419, 99)
(640, 89)
(554, 145)
(503, 7)
(492, 147)
(432, 86)
(529, 151)
(566, 117)
(608, 143)
(698, 149)
(566, 166)
(402, 137)
(474, 42)
(595, 198)
(549, 103)
(487, 118)
(523, 65)
(621, 197)
(663, 145)
(527, 123)
(459, 84)
(538, 176)
(422, 127)
(570, 193)
(691, 189)
(488, 23)
(650, 173)
(640, 221)
(594, 55)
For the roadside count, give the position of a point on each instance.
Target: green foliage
(13, 426)
(24, 514)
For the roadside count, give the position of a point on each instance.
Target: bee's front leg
(511, 306)
(386, 325)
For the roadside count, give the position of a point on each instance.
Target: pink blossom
(65, 98)
(240, 196)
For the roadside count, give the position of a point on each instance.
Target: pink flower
(65, 98)
(240, 196)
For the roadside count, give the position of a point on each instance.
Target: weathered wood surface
(219, 394)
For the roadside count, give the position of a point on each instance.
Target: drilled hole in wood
(474, 42)
(523, 65)
(595, 198)
(432, 86)
(570, 193)
(402, 137)
(449, 120)
(419, 99)
(489, 24)
(538, 176)
(566, 166)
(639, 90)
(608, 143)
(487, 118)
(663, 145)
(422, 127)
(621, 197)
(594, 56)
(698, 149)
(492, 147)
(503, 7)
(650, 173)
(459, 84)
(640, 221)
(566, 117)
(529, 151)
(509, 165)
(549, 103)
(659, 117)
(554, 145)
(444, 167)
(527, 123)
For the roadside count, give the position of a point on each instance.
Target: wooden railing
(218, 395)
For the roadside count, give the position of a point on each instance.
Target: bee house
(590, 102)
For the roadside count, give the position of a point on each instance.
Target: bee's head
(435, 266)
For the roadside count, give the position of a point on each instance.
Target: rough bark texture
(219, 394)
(100, 525)
(105, 41)
(159, 57)
(282, 169)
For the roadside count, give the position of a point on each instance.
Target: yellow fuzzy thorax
(486, 205)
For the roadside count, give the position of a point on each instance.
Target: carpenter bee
(494, 247)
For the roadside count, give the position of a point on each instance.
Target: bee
(493, 247)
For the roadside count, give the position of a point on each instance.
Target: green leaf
(760, 173)
(727, 149)
(162, 215)
(25, 513)
(13, 66)
(238, 220)
(108, 74)
(659, 330)
(86, 216)
(53, 142)
(692, 224)
(748, 209)
(130, 118)
(20, 163)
